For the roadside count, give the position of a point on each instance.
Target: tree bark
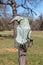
(14, 14)
(14, 7)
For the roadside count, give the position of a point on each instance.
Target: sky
(38, 9)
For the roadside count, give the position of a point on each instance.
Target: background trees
(27, 5)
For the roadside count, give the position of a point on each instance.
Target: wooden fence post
(22, 56)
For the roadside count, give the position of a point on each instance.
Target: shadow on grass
(6, 36)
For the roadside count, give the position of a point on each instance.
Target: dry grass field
(9, 54)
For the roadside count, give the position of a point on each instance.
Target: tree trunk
(14, 7)
(14, 14)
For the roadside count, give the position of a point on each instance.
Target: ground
(9, 54)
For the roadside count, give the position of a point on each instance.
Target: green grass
(34, 53)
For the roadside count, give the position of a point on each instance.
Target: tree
(41, 22)
(23, 4)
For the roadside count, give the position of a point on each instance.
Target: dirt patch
(11, 63)
(1, 64)
(9, 50)
(12, 50)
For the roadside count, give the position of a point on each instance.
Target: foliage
(37, 24)
(4, 24)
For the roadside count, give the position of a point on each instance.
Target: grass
(34, 53)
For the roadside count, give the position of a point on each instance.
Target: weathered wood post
(22, 57)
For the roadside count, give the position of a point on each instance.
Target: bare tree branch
(11, 3)
(28, 8)
(5, 3)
